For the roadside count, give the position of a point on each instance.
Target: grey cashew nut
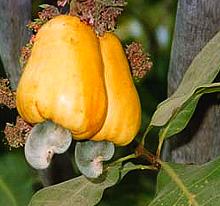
(44, 140)
(90, 155)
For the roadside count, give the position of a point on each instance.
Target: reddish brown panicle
(7, 97)
(16, 134)
(101, 15)
(139, 61)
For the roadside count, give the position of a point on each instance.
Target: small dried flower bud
(16, 134)
(26, 51)
(48, 12)
(7, 97)
(139, 61)
(34, 26)
(101, 15)
(45, 15)
(62, 3)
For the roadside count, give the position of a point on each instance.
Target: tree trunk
(197, 21)
(14, 16)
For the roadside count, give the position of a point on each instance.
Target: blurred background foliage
(150, 22)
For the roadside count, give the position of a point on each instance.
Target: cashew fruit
(81, 82)
(63, 80)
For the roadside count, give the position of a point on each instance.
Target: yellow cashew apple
(63, 80)
(81, 82)
(124, 112)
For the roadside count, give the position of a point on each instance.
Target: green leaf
(202, 71)
(79, 191)
(183, 114)
(201, 181)
(15, 180)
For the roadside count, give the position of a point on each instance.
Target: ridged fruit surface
(124, 111)
(63, 80)
(80, 82)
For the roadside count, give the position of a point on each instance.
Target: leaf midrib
(7, 191)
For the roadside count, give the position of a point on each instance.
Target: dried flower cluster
(7, 97)
(139, 61)
(16, 134)
(45, 15)
(26, 51)
(100, 14)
